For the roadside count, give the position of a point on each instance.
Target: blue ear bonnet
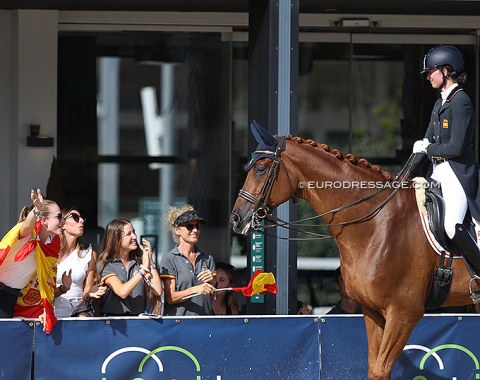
(267, 144)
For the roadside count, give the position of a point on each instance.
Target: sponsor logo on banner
(433, 353)
(152, 355)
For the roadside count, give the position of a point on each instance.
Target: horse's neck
(329, 183)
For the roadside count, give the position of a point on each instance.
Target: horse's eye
(260, 170)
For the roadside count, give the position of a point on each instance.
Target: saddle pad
(420, 185)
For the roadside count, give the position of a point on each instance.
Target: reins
(261, 211)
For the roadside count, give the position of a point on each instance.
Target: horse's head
(267, 184)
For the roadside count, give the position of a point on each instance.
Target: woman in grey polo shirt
(188, 275)
(127, 275)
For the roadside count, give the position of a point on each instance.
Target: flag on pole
(260, 283)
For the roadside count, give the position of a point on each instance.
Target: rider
(448, 143)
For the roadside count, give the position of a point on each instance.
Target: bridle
(262, 212)
(260, 204)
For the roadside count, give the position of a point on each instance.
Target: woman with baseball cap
(188, 274)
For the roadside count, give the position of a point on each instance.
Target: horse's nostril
(235, 219)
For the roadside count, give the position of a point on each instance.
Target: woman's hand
(37, 199)
(205, 276)
(42, 317)
(205, 288)
(66, 281)
(147, 253)
(97, 290)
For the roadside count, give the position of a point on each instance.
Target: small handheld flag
(260, 283)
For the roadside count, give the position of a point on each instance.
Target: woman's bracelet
(62, 291)
(36, 213)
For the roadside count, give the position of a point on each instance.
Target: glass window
(163, 128)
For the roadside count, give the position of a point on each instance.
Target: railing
(231, 348)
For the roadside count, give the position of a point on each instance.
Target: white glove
(420, 146)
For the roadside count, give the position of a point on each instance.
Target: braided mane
(342, 156)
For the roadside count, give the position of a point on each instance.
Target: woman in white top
(75, 270)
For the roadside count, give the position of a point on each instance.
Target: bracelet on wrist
(61, 290)
(36, 213)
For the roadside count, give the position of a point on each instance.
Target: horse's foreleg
(395, 336)
(374, 324)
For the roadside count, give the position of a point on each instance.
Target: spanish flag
(39, 293)
(260, 283)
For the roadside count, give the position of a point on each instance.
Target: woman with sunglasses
(188, 275)
(127, 271)
(34, 242)
(76, 270)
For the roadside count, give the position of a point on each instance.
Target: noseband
(260, 207)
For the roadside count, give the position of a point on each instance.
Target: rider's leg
(453, 195)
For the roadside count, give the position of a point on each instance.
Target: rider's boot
(470, 251)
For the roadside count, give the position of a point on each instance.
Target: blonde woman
(33, 242)
(188, 275)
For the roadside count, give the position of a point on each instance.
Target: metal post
(283, 252)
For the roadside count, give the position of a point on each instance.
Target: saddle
(435, 207)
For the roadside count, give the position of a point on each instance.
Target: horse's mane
(361, 162)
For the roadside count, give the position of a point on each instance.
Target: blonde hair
(44, 212)
(172, 215)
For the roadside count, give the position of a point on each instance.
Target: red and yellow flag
(260, 283)
(39, 293)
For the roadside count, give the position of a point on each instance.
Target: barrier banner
(183, 348)
(445, 347)
(16, 339)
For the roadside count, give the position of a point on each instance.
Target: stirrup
(474, 295)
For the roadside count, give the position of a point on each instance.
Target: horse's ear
(262, 135)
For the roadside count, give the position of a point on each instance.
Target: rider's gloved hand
(420, 146)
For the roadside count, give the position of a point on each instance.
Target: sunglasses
(76, 217)
(191, 226)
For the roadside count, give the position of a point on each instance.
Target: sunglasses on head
(76, 217)
(191, 226)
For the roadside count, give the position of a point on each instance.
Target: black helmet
(443, 55)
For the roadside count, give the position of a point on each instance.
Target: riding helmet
(443, 55)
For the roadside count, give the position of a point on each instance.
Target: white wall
(28, 94)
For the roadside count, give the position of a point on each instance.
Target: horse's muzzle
(238, 226)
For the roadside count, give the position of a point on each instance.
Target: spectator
(75, 270)
(126, 271)
(188, 275)
(346, 305)
(225, 302)
(31, 243)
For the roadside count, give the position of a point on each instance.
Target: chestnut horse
(387, 263)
